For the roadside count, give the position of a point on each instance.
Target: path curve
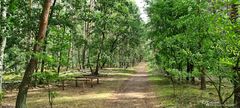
(136, 92)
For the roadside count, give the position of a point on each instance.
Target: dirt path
(136, 92)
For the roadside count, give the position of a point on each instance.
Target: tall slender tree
(3, 39)
(26, 81)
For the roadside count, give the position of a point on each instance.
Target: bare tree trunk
(59, 64)
(99, 54)
(3, 45)
(79, 58)
(83, 56)
(203, 79)
(69, 56)
(237, 85)
(3, 42)
(27, 78)
(190, 67)
(113, 47)
(72, 56)
(86, 36)
(45, 40)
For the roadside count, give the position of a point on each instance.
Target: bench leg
(76, 82)
(91, 83)
(63, 85)
(97, 80)
(83, 85)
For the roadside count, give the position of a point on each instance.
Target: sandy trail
(136, 92)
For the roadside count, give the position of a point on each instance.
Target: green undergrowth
(70, 75)
(117, 72)
(12, 77)
(184, 95)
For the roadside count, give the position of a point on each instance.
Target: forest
(119, 54)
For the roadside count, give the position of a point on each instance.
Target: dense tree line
(191, 40)
(43, 35)
(197, 38)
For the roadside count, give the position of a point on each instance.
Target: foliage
(195, 38)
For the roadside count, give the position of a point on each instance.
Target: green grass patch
(12, 77)
(184, 95)
(118, 72)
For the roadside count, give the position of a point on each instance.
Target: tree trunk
(103, 64)
(79, 58)
(3, 45)
(237, 86)
(97, 63)
(69, 56)
(72, 56)
(60, 63)
(113, 47)
(190, 67)
(23, 88)
(203, 79)
(3, 41)
(237, 93)
(99, 53)
(83, 56)
(45, 40)
(236, 77)
(86, 32)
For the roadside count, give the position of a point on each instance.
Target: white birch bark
(3, 43)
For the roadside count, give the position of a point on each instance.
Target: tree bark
(86, 35)
(59, 63)
(45, 40)
(3, 41)
(237, 86)
(2, 49)
(203, 79)
(27, 78)
(83, 56)
(79, 58)
(69, 56)
(236, 77)
(99, 54)
(113, 47)
(190, 67)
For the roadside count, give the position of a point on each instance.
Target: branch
(212, 82)
(225, 100)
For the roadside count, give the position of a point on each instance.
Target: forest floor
(186, 95)
(119, 88)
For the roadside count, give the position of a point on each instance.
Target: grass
(76, 97)
(185, 95)
(119, 72)
(11, 77)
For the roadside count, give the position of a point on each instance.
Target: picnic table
(84, 79)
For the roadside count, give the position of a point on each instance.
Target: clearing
(119, 88)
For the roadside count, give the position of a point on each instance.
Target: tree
(3, 39)
(236, 76)
(23, 89)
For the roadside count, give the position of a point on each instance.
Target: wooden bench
(11, 84)
(83, 79)
(87, 78)
(76, 80)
